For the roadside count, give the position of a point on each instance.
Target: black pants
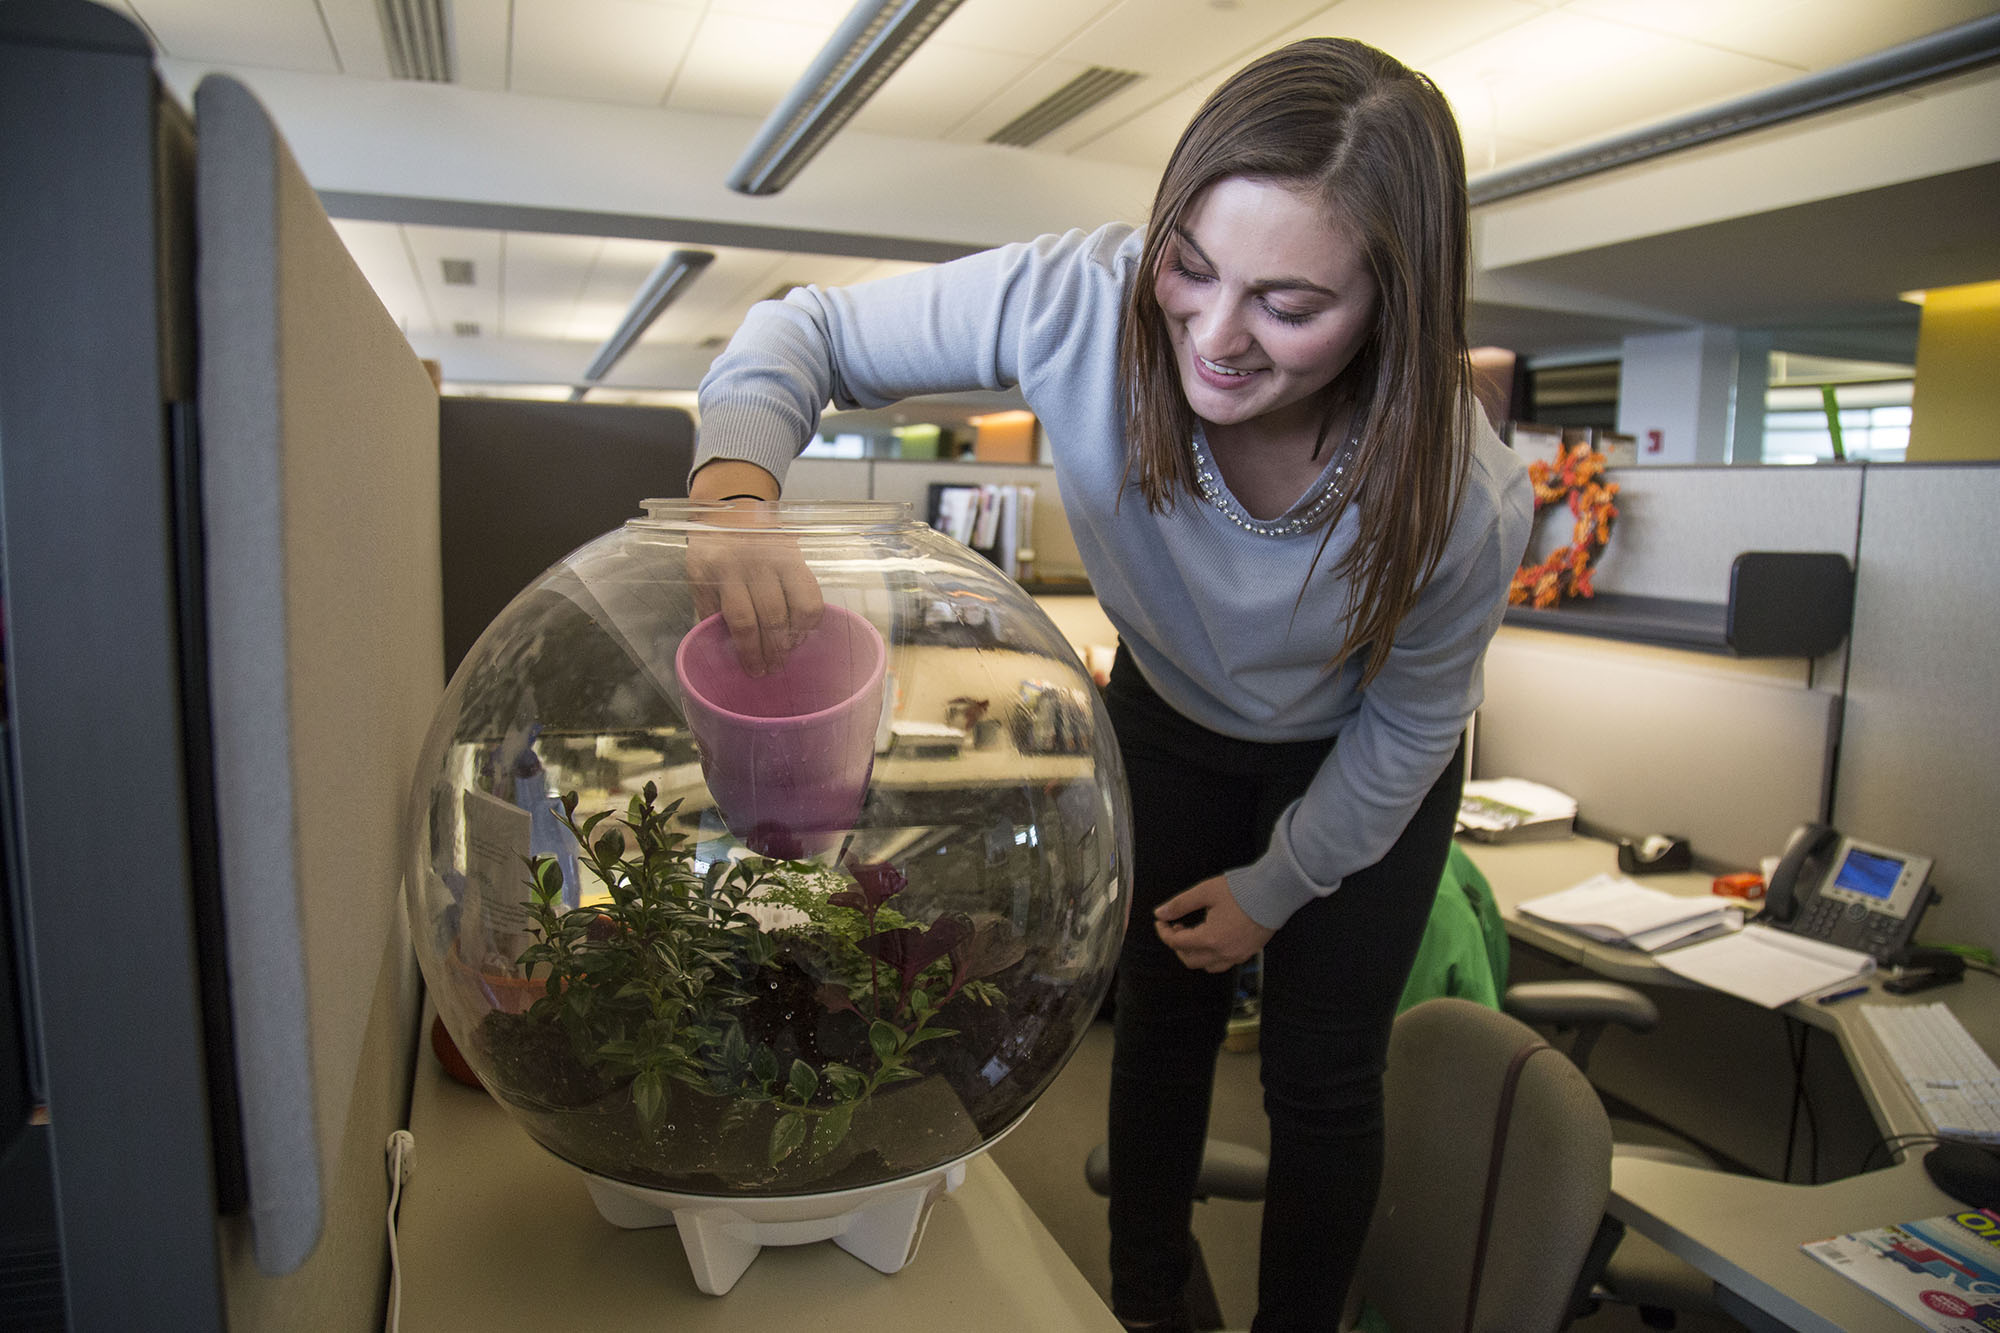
(1202, 804)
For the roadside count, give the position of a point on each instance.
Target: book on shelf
(995, 520)
(1616, 910)
(1514, 810)
(1942, 1272)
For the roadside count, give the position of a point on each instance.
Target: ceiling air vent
(417, 34)
(1063, 105)
(457, 272)
(466, 328)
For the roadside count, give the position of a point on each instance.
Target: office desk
(1743, 1231)
(496, 1233)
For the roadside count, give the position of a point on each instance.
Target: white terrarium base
(878, 1224)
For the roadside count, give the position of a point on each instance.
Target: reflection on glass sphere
(760, 934)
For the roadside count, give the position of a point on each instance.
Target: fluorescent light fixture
(667, 281)
(871, 43)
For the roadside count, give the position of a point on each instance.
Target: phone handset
(1809, 844)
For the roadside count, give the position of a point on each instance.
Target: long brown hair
(1376, 141)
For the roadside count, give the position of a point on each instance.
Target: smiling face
(1266, 299)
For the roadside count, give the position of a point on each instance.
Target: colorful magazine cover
(1943, 1272)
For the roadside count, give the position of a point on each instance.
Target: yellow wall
(1956, 408)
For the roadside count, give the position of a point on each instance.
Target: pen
(1847, 994)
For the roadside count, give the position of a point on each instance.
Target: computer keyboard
(1955, 1081)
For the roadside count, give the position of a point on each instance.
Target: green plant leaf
(847, 1081)
(649, 1097)
(886, 1042)
(764, 1063)
(930, 1034)
(831, 1129)
(787, 1135)
(803, 1080)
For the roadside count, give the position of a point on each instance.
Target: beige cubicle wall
(1729, 752)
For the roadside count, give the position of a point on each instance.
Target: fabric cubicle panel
(319, 482)
(1919, 768)
(1731, 755)
(522, 484)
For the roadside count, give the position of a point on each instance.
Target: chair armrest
(1576, 1004)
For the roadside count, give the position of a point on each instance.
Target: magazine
(1514, 810)
(1943, 1272)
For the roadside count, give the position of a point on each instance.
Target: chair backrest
(1496, 1174)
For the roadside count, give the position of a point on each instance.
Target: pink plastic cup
(787, 755)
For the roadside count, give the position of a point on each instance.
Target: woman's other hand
(1207, 930)
(755, 577)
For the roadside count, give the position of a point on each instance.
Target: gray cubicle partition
(1920, 749)
(523, 484)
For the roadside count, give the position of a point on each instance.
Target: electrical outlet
(402, 1151)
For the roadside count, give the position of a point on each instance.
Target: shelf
(1781, 604)
(1701, 626)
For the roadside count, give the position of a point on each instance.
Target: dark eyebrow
(1269, 284)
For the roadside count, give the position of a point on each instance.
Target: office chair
(1497, 1165)
(1622, 1268)
(1640, 1272)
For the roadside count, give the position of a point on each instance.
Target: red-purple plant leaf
(878, 881)
(911, 949)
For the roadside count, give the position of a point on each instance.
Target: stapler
(1654, 854)
(1921, 969)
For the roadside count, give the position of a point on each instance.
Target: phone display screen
(1868, 874)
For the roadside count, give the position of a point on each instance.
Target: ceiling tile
(601, 50)
(1024, 27)
(479, 303)
(1417, 33)
(1040, 79)
(1567, 78)
(542, 276)
(1805, 34)
(1184, 37)
(355, 28)
(827, 14)
(745, 64)
(279, 34)
(481, 31)
(938, 87)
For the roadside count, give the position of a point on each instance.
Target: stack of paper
(1768, 966)
(1514, 810)
(1622, 911)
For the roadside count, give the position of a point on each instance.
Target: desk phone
(1856, 894)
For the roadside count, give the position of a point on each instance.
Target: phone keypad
(1850, 924)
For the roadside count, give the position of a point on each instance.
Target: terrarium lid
(817, 515)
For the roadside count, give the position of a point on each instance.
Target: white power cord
(402, 1149)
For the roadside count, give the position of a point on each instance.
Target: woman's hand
(756, 578)
(1218, 934)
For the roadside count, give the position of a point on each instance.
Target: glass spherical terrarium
(769, 953)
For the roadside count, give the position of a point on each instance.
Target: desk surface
(1742, 1231)
(497, 1233)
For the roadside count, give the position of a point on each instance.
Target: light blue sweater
(1205, 608)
